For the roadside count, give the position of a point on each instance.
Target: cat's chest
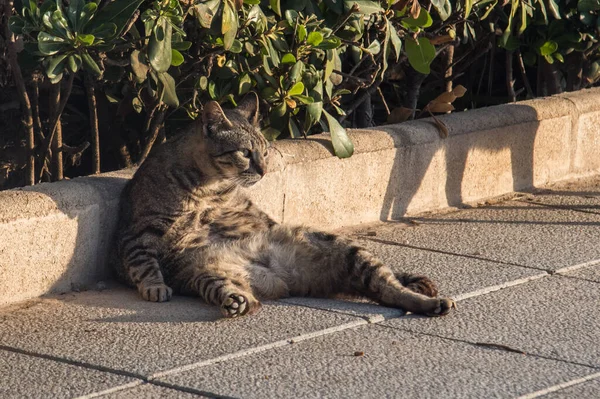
(214, 221)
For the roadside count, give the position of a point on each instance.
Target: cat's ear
(249, 108)
(214, 117)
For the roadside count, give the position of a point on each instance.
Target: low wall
(54, 237)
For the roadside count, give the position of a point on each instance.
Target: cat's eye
(245, 153)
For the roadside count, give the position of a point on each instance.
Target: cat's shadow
(120, 304)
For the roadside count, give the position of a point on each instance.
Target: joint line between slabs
(108, 391)
(492, 346)
(508, 284)
(448, 253)
(257, 349)
(559, 387)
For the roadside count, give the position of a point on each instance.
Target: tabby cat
(186, 227)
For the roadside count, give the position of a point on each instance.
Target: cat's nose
(259, 163)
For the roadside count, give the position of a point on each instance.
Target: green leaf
(296, 71)
(336, 6)
(159, 46)
(276, 6)
(49, 44)
(90, 65)
(256, 16)
(420, 54)
(278, 116)
(314, 38)
(330, 54)
(181, 46)
(468, 7)
(548, 48)
(395, 39)
(117, 12)
(294, 129)
(137, 105)
(374, 47)
(60, 25)
(364, 6)
(204, 14)
(203, 82)
(301, 33)
(271, 133)
(330, 43)
(297, 88)
(88, 40)
(229, 18)
(176, 58)
(56, 66)
(236, 47)
(342, 145)
(245, 84)
(74, 62)
(443, 7)
(229, 27)
(168, 95)
(422, 21)
(288, 59)
(73, 13)
(559, 57)
(553, 6)
(87, 14)
(304, 99)
(588, 5)
(105, 31)
(16, 24)
(512, 43)
(138, 65)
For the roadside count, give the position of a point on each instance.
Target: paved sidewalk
(525, 273)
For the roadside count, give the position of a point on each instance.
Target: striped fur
(186, 227)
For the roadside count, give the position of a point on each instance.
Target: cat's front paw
(238, 305)
(443, 307)
(156, 293)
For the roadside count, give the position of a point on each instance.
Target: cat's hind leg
(417, 294)
(220, 279)
(327, 263)
(417, 283)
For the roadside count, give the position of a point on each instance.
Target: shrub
(314, 63)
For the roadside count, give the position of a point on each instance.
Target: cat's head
(234, 141)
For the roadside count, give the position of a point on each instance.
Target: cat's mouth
(248, 179)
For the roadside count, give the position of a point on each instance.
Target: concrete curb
(55, 236)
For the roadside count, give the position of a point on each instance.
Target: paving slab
(150, 391)
(512, 232)
(556, 317)
(591, 273)
(23, 376)
(588, 389)
(392, 364)
(581, 195)
(455, 275)
(118, 330)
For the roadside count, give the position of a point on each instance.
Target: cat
(186, 227)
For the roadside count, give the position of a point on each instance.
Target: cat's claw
(443, 308)
(156, 293)
(237, 305)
